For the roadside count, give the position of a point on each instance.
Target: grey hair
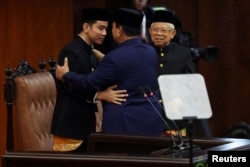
(169, 24)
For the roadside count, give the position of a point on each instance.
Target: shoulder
(174, 44)
(179, 47)
(74, 44)
(149, 46)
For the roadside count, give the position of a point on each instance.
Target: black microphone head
(142, 90)
(149, 90)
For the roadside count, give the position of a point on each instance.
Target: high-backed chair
(33, 97)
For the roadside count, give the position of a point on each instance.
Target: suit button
(161, 65)
(162, 54)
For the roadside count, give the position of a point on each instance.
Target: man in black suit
(74, 114)
(131, 66)
(173, 58)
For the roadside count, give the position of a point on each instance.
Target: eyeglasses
(163, 31)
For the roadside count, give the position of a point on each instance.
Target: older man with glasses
(173, 58)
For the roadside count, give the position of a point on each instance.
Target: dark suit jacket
(74, 113)
(131, 65)
(175, 59)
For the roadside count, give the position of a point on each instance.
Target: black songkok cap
(163, 16)
(128, 17)
(91, 14)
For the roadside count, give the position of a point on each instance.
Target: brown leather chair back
(35, 97)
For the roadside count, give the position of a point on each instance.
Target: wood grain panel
(225, 23)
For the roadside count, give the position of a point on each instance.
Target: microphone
(150, 92)
(172, 148)
(182, 145)
(177, 149)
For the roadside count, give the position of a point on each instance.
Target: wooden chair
(32, 96)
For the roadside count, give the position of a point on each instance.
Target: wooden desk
(123, 151)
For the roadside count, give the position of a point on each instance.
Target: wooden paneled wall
(226, 24)
(39, 29)
(31, 30)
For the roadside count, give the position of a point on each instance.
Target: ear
(150, 31)
(120, 30)
(173, 34)
(85, 27)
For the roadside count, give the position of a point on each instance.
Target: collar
(85, 44)
(163, 49)
(131, 41)
(92, 46)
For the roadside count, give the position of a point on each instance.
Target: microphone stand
(173, 148)
(182, 145)
(190, 132)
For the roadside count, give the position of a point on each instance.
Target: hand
(113, 96)
(61, 70)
